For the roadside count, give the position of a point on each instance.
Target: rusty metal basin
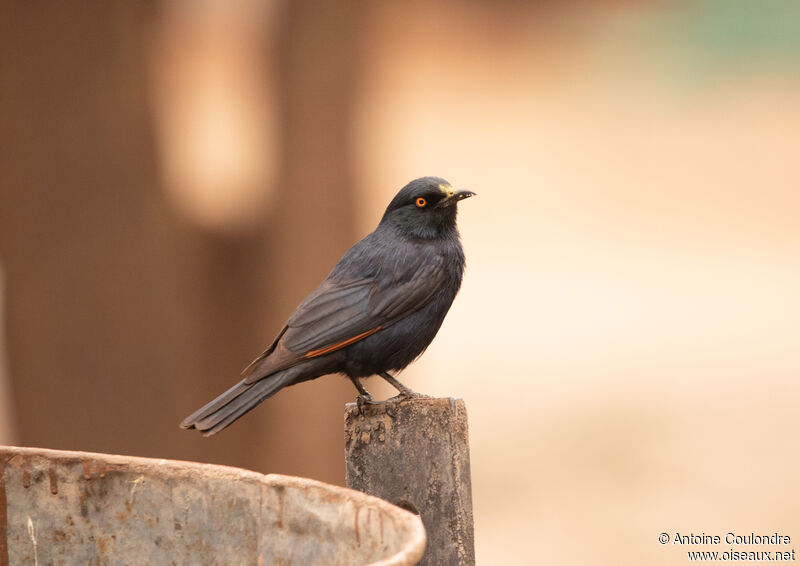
(69, 508)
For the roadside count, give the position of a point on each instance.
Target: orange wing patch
(340, 345)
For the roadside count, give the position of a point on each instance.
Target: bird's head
(425, 208)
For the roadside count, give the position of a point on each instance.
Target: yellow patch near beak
(446, 189)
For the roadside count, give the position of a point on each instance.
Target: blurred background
(175, 176)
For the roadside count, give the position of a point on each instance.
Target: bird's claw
(392, 402)
(407, 393)
(390, 405)
(362, 400)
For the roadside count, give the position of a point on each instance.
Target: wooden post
(415, 454)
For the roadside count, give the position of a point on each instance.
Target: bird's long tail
(235, 402)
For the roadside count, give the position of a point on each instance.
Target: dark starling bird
(376, 311)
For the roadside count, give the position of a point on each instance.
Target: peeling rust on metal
(280, 509)
(129, 501)
(26, 473)
(102, 545)
(358, 537)
(51, 473)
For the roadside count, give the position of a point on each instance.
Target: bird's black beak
(455, 198)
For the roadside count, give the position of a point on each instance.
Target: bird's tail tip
(234, 403)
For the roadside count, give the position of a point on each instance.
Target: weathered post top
(415, 454)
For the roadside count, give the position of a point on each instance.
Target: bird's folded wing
(342, 311)
(332, 313)
(342, 314)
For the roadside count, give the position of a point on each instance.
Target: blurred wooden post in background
(415, 454)
(123, 314)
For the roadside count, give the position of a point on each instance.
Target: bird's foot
(407, 393)
(363, 400)
(392, 402)
(389, 404)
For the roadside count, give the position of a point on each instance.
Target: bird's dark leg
(363, 392)
(404, 390)
(364, 398)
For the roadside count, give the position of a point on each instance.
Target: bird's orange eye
(421, 202)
